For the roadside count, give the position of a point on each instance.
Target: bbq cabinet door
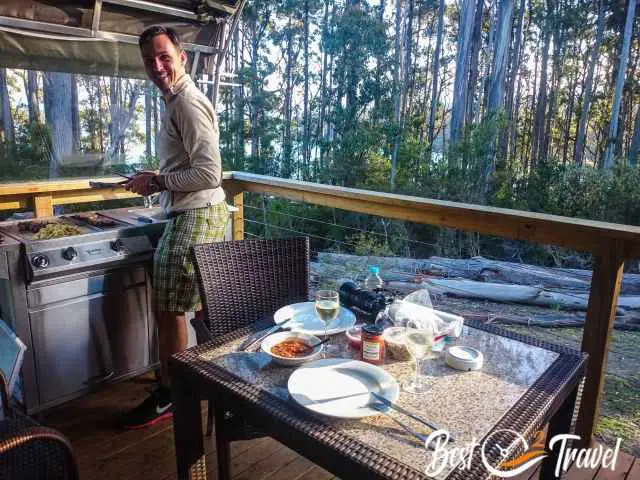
(82, 342)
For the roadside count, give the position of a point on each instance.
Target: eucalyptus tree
(6, 120)
(33, 96)
(57, 111)
(617, 96)
(578, 151)
(461, 86)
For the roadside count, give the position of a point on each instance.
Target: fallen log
(502, 293)
(476, 268)
(549, 321)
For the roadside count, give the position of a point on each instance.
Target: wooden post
(238, 216)
(608, 266)
(43, 205)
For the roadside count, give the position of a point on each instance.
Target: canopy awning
(100, 36)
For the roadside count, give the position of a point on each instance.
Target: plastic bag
(417, 307)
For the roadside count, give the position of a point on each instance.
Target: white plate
(339, 387)
(304, 319)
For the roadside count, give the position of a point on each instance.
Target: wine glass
(327, 309)
(419, 340)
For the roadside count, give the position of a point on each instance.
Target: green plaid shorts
(174, 276)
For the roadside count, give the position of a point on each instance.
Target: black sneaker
(155, 408)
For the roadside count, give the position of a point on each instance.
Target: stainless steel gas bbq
(81, 303)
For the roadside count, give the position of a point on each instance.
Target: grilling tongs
(107, 184)
(111, 184)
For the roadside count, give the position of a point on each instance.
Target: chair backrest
(244, 281)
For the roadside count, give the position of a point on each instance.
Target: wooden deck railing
(610, 244)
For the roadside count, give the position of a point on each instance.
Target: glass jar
(372, 345)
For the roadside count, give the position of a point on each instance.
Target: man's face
(163, 62)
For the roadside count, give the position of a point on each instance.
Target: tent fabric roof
(100, 36)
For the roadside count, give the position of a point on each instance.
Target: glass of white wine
(327, 308)
(419, 341)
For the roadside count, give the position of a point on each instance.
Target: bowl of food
(291, 348)
(395, 343)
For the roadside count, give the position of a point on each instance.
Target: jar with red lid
(372, 344)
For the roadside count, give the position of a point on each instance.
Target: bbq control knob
(118, 246)
(40, 261)
(69, 253)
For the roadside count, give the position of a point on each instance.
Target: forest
(527, 104)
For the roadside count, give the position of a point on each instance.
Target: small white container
(464, 358)
(395, 342)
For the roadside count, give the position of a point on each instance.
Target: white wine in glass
(419, 342)
(327, 308)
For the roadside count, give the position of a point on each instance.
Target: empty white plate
(304, 319)
(339, 387)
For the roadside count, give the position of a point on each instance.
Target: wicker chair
(245, 281)
(29, 451)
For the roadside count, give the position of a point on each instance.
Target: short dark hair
(149, 33)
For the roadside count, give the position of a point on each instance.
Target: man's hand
(141, 184)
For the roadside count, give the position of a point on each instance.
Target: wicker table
(524, 384)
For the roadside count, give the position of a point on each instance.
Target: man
(191, 194)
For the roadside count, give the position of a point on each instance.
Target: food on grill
(56, 230)
(32, 227)
(95, 220)
(291, 349)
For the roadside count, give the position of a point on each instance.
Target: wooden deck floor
(107, 453)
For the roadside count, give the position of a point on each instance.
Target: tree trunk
(238, 96)
(406, 84)
(514, 68)
(154, 107)
(436, 72)
(476, 47)
(622, 68)
(556, 74)
(397, 94)
(465, 30)
(148, 114)
(33, 100)
(122, 112)
(57, 110)
(499, 67)
(491, 40)
(6, 120)
(634, 148)
(498, 74)
(287, 142)
(306, 120)
(324, 93)
(537, 136)
(588, 88)
(573, 83)
(75, 113)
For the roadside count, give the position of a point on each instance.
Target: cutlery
(406, 412)
(260, 336)
(423, 438)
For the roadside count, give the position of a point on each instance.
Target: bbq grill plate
(95, 220)
(13, 229)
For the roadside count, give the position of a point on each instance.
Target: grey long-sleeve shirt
(187, 146)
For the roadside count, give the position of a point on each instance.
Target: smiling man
(190, 189)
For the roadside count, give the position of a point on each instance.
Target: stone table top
(468, 404)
